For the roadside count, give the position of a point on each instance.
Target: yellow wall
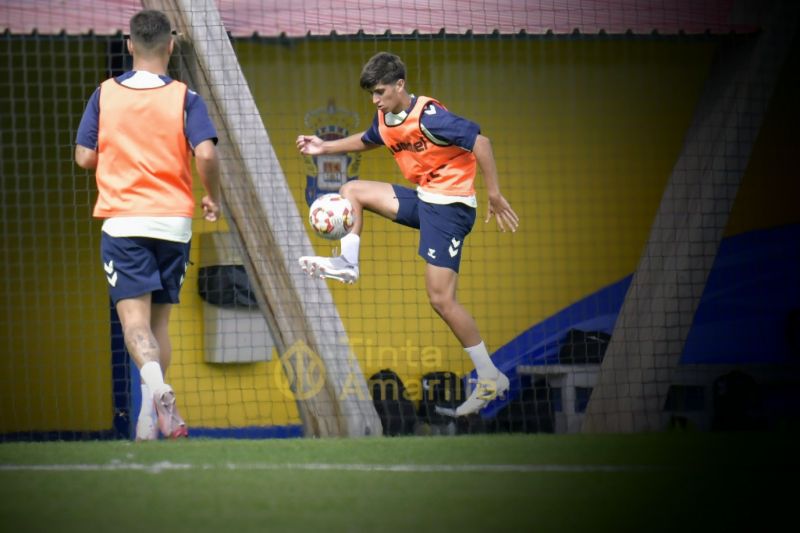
(54, 346)
(585, 134)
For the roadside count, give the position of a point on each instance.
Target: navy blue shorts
(442, 228)
(137, 265)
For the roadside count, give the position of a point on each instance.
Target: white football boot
(337, 268)
(486, 390)
(170, 422)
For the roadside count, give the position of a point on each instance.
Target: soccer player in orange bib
(139, 131)
(439, 152)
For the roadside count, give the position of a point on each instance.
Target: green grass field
(644, 482)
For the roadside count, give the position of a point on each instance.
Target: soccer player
(438, 151)
(139, 131)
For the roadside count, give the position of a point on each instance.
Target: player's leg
(172, 259)
(147, 422)
(375, 196)
(134, 315)
(131, 269)
(163, 407)
(441, 282)
(386, 200)
(135, 274)
(443, 230)
(159, 323)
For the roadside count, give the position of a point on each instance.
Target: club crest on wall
(327, 173)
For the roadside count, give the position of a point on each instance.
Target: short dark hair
(383, 67)
(150, 30)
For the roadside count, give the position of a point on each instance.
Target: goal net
(645, 147)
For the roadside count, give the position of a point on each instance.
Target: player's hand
(210, 209)
(309, 144)
(501, 209)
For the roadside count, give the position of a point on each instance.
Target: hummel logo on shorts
(112, 276)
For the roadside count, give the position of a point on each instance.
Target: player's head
(151, 33)
(382, 68)
(384, 76)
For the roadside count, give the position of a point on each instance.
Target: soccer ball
(331, 216)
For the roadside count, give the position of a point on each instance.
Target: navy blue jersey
(198, 125)
(445, 126)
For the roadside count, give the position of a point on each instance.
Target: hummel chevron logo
(430, 110)
(109, 268)
(454, 248)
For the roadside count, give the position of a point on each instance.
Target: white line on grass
(156, 468)
(438, 468)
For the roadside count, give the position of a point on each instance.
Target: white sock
(147, 410)
(483, 363)
(350, 244)
(152, 376)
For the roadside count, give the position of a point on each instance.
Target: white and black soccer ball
(331, 216)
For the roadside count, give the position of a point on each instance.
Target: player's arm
(85, 157)
(86, 141)
(313, 145)
(207, 163)
(498, 205)
(202, 136)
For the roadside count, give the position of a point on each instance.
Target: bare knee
(350, 190)
(367, 193)
(441, 302)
